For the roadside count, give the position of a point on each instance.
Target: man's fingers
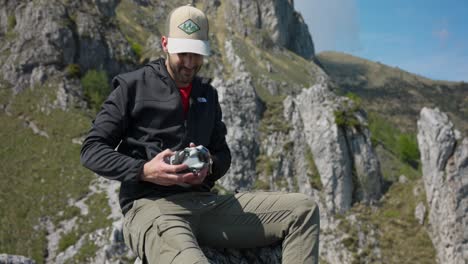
(168, 168)
(166, 153)
(169, 179)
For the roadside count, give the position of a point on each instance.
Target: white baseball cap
(187, 31)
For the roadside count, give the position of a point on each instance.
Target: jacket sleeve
(98, 150)
(220, 153)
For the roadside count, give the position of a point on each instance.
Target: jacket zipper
(187, 120)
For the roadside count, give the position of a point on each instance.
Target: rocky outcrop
(240, 107)
(272, 22)
(444, 159)
(343, 155)
(41, 38)
(14, 259)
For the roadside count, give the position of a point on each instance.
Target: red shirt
(185, 95)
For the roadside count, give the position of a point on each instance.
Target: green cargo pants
(171, 229)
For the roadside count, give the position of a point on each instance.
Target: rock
(236, 63)
(107, 7)
(444, 162)
(69, 94)
(39, 40)
(49, 35)
(402, 179)
(420, 213)
(242, 120)
(275, 22)
(339, 152)
(266, 255)
(14, 259)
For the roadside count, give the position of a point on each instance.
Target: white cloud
(333, 23)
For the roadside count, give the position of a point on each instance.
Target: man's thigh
(247, 220)
(161, 230)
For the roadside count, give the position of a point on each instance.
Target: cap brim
(179, 45)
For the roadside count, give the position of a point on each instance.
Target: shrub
(96, 88)
(355, 98)
(346, 118)
(136, 47)
(73, 70)
(407, 148)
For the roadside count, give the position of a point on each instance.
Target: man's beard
(181, 73)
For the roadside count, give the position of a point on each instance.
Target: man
(169, 212)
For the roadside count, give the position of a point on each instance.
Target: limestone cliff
(48, 36)
(271, 22)
(444, 158)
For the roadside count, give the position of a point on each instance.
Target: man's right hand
(159, 172)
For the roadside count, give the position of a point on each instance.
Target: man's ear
(164, 43)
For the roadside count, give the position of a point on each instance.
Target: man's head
(185, 42)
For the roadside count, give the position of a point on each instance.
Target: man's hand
(159, 172)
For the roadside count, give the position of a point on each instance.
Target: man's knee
(306, 209)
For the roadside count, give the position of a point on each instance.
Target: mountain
(338, 128)
(393, 93)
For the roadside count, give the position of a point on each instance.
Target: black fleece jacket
(144, 116)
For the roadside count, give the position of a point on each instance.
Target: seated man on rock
(169, 210)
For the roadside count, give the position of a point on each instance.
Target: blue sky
(428, 37)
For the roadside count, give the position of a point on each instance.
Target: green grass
(38, 175)
(95, 219)
(402, 145)
(312, 171)
(11, 22)
(85, 253)
(273, 120)
(68, 239)
(265, 165)
(288, 68)
(402, 239)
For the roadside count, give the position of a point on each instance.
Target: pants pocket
(137, 222)
(178, 244)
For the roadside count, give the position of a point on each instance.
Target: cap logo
(189, 27)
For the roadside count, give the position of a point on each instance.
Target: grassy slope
(396, 94)
(38, 174)
(401, 238)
